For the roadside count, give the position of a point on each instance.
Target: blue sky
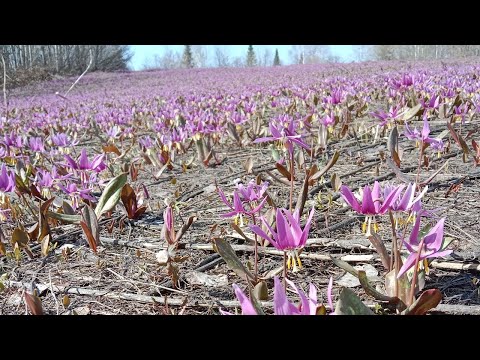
(144, 52)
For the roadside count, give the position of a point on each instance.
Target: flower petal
(376, 196)
(407, 198)
(413, 240)
(368, 207)
(258, 230)
(281, 306)
(350, 198)
(245, 303)
(284, 236)
(409, 262)
(305, 305)
(306, 229)
(83, 160)
(434, 238)
(224, 199)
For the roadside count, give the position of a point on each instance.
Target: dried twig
(64, 96)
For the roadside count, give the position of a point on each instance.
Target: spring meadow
(300, 189)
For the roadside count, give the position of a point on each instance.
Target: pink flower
(289, 236)
(433, 245)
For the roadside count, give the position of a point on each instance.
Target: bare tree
(221, 57)
(169, 59)
(35, 62)
(309, 54)
(200, 55)
(238, 61)
(266, 58)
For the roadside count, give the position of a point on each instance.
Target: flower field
(312, 189)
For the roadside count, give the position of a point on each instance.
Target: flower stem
(394, 261)
(415, 273)
(256, 250)
(417, 178)
(292, 171)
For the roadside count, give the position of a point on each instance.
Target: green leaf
(73, 219)
(410, 113)
(89, 236)
(427, 301)
(350, 304)
(275, 154)
(332, 162)
(111, 194)
(459, 140)
(67, 208)
(233, 262)
(90, 219)
(380, 248)
(392, 145)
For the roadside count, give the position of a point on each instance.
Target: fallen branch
(456, 309)
(128, 296)
(447, 265)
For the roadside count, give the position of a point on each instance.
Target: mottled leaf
(89, 236)
(330, 163)
(283, 170)
(427, 301)
(73, 219)
(233, 262)
(90, 219)
(111, 195)
(410, 113)
(350, 304)
(34, 304)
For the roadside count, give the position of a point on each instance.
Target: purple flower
(433, 103)
(372, 203)
(168, 226)
(13, 140)
(433, 245)
(329, 120)
(386, 118)
(62, 140)
(281, 305)
(238, 210)
(36, 144)
(252, 192)
(245, 303)
(285, 135)
(406, 202)
(113, 132)
(75, 193)
(289, 236)
(83, 163)
(146, 142)
(423, 136)
(7, 180)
